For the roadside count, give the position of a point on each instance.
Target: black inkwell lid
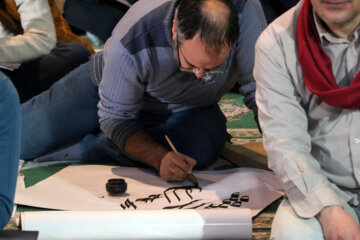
(116, 186)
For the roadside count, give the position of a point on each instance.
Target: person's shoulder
(247, 5)
(141, 17)
(144, 25)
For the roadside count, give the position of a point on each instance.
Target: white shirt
(39, 35)
(313, 148)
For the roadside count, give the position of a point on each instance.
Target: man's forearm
(145, 149)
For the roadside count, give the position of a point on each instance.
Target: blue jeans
(9, 146)
(67, 113)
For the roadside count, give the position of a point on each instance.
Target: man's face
(193, 57)
(338, 12)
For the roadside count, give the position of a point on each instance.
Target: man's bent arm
(145, 149)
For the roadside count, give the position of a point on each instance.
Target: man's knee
(295, 232)
(199, 133)
(206, 149)
(288, 226)
(46, 125)
(77, 52)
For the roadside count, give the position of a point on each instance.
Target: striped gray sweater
(137, 70)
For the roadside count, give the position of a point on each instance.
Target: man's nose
(200, 73)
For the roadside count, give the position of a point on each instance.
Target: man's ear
(173, 30)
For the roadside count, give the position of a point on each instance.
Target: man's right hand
(145, 149)
(338, 224)
(176, 168)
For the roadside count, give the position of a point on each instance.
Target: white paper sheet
(141, 224)
(82, 188)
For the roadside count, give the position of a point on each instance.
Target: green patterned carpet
(242, 126)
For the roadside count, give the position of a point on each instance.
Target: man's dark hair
(217, 28)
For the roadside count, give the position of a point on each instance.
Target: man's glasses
(196, 70)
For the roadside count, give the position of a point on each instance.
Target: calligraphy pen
(190, 176)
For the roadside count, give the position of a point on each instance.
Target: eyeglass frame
(196, 70)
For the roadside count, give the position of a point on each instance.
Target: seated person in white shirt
(28, 37)
(308, 96)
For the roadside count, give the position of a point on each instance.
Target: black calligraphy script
(188, 191)
(235, 200)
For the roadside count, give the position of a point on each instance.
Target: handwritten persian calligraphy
(235, 200)
(82, 188)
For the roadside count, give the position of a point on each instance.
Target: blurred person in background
(37, 47)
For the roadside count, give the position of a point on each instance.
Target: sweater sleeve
(9, 147)
(39, 35)
(121, 94)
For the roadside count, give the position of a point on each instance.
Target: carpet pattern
(243, 129)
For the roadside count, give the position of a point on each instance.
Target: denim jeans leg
(96, 148)
(62, 115)
(9, 146)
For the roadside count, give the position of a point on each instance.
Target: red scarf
(317, 68)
